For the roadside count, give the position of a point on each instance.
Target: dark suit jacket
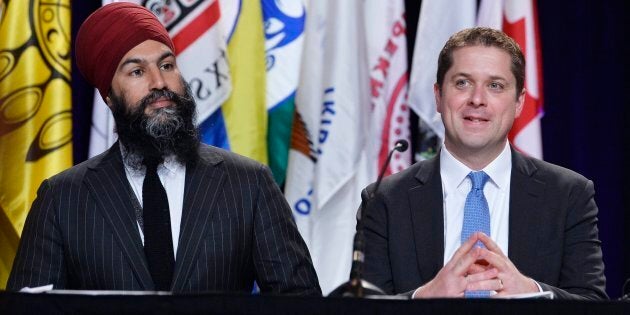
(236, 227)
(553, 236)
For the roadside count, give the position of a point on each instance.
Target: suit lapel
(428, 219)
(203, 186)
(108, 185)
(526, 210)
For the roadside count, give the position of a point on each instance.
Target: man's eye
(167, 66)
(136, 73)
(496, 86)
(462, 83)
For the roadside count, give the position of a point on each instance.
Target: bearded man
(158, 210)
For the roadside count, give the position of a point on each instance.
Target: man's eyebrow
(468, 75)
(166, 55)
(141, 60)
(462, 74)
(498, 77)
(131, 60)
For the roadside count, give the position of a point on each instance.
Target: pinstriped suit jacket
(236, 227)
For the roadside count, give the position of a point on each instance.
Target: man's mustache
(154, 95)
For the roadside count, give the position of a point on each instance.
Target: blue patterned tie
(476, 218)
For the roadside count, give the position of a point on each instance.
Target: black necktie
(158, 244)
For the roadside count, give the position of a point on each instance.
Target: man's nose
(478, 96)
(157, 81)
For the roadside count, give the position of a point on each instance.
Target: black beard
(165, 131)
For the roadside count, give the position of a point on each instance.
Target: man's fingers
(494, 284)
(476, 268)
(463, 264)
(464, 248)
(489, 243)
(494, 259)
(485, 275)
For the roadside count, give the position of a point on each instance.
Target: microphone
(356, 286)
(400, 146)
(625, 297)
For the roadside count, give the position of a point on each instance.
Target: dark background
(584, 90)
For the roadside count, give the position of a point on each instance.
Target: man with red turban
(158, 210)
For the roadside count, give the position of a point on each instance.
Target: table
(214, 303)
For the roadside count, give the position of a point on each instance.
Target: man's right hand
(462, 269)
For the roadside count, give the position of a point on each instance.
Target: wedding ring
(500, 284)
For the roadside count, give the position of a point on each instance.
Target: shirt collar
(171, 164)
(500, 169)
(454, 172)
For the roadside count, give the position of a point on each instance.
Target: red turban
(108, 34)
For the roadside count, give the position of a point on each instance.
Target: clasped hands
(474, 268)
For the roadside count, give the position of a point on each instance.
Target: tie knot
(151, 164)
(478, 179)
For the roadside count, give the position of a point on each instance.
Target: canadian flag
(519, 20)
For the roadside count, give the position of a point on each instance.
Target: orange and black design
(300, 139)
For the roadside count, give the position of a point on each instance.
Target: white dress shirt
(456, 186)
(173, 177)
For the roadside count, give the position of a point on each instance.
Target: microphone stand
(626, 296)
(357, 286)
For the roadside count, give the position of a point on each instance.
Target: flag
(244, 114)
(284, 38)
(350, 108)
(35, 110)
(388, 76)
(200, 46)
(327, 158)
(519, 20)
(438, 21)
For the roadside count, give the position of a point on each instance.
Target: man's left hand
(509, 280)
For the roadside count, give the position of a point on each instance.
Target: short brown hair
(482, 36)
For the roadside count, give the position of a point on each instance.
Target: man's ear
(108, 101)
(520, 101)
(437, 91)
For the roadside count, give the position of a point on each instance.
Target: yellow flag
(245, 111)
(35, 109)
